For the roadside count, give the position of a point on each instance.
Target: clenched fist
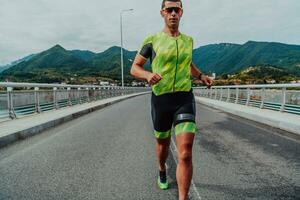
(153, 78)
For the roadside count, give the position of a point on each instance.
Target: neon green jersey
(170, 57)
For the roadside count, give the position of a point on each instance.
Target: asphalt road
(109, 154)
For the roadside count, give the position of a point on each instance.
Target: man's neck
(173, 32)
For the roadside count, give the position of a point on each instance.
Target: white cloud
(30, 26)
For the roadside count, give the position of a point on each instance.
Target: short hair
(163, 3)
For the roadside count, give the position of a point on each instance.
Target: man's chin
(175, 26)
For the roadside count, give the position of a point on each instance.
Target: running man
(172, 100)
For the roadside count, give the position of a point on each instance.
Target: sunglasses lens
(170, 10)
(176, 10)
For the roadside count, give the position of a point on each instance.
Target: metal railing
(19, 99)
(279, 97)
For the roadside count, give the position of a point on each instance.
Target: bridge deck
(109, 154)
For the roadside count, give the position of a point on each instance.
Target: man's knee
(164, 142)
(185, 155)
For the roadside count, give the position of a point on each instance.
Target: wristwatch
(199, 77)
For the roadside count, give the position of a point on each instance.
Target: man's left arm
(195, 72)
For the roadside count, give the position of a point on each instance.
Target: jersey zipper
(176, 66)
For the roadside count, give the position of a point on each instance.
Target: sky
(32, 26)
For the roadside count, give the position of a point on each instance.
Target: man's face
(172, 12)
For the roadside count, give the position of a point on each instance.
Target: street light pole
(122, 65)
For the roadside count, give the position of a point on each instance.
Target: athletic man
(172, 100)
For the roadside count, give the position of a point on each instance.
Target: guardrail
(19, 99)
(279, 97)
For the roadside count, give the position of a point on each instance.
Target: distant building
(293, 82)
(213, 76)
(135, 83)
(271, 81)
(104, 83)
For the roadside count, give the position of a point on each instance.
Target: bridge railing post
(228, 95)
(248, 97)
(107, 92)
(55, 104)
(79, 95)
(104, 92)
(88, 97)
(69, 96)
(114, 91)
(119, 91)
(10, 105)
(283, 99)
(263, 94)
(37, 100)
(101, 93)
(221, 94)
(94, 94)
(236, 95)
(216, 93)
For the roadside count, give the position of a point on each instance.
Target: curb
(20, 135)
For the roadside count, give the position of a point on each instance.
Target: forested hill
(58, 64)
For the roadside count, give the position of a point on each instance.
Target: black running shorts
(176, 109)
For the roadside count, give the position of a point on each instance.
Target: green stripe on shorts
(189, 127)
(162, 135)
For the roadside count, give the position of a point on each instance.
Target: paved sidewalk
(285, 121)
(13, 130)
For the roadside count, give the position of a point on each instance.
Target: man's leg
(162, 150)
(184, 170)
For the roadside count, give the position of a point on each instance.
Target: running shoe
(162, 180)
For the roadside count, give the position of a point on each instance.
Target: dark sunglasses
(171, 9)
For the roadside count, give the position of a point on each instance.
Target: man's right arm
(138, 71)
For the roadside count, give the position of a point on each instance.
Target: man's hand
(153, 78)
(207, 81)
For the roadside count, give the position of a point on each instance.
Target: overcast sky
(31, 26)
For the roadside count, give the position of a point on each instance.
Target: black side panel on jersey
(148, 52)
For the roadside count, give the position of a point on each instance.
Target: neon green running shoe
(162, 180)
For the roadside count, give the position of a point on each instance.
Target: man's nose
(173, 13)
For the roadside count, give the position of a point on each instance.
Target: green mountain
(84, 55)
(60, 65)
(264, 74)
(4, 67)
(230, 58)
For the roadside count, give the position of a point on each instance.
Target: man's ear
(162, 13)
(181, 13)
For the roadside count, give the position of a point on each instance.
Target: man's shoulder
(185, 36)
(148, 39)
(153, 36)
(160, 35)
